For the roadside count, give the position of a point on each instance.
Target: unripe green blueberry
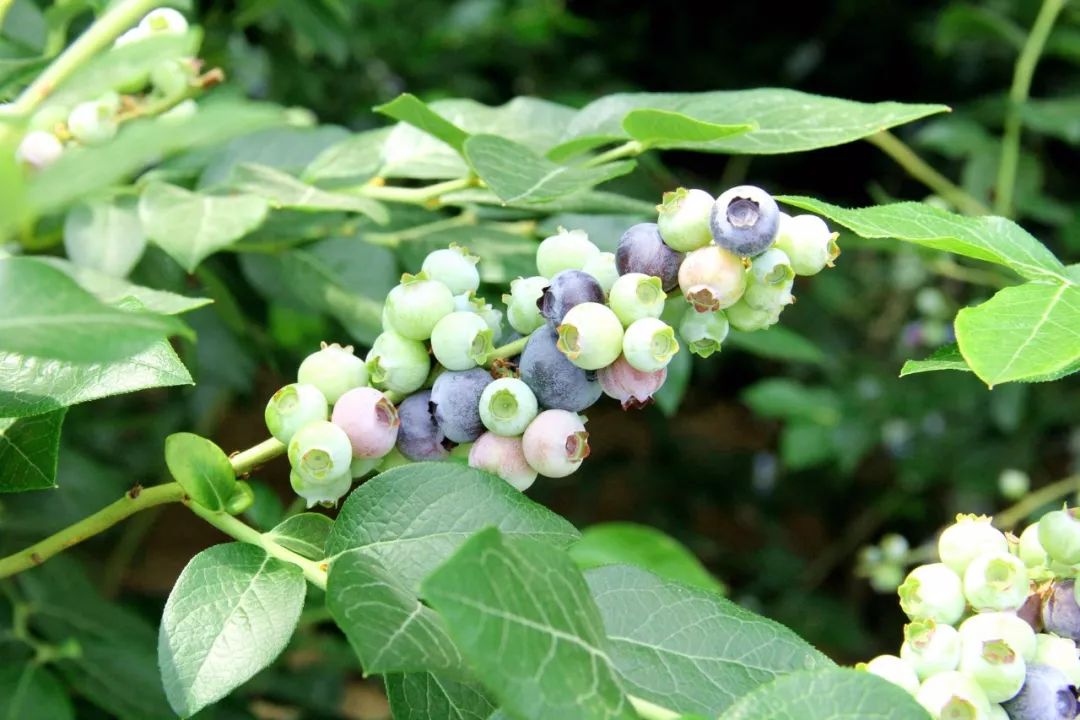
(507, 406)
(953, 696)
(414, 306)
(704, 333)
(1005, 626)
(461, 340)
(180, 112)
(164, 21)
(397, 363)
(931, 647)
(591, 336)
(603, 268)
(555, 443)
(454, 267)
(361, 466)
(893, 669)
(769, 280)
(39, 149)
(996, 581)
(323, 493)
(744, 318)
(92, 123)
(684, 219)
(370, 422)
(712, 278)
(469, 302)
(172, 77)
(320, 452)
(807, 242)
(1060, 653)
(997, 712)
(133, 35)
(522, 311)
(292, 407)
(1030, 550)
(1059, 534)
(391, 460)
(1013, 484)
(565, 250)
(967, 538)
(333, 370)
(649, 345)
(996, 667)
(635, 296)
(502, 456)
(49, 118)
(932, 592)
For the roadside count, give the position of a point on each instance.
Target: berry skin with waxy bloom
(39, 149)
(894, 669)
(1060, 611)
(704, 333)
(292, 407)
(164, 21)
(555, 443)
(712, 279)
(631, 387)
(469, 302)
(996, 581)
(642, 250)
(1005, 626)
(398, 364)
(807, 241)
(454, 267)
(602, 267)
(931, 647)
(1046, 695)
(556, 382)
(744, 220)
(502, 456)
(320, 493)
(1058, 652)
(591, 336)
(93, 122)
(995, 666)
(967, 538)
(320, 452)
(419, 437)
(333, 370)
(456, 397)
(461, 340)
(932, 592)
(565, 250)
(567, 289)
(951, 695)
(635, 296)
(369, 420)
(744, 318)
(522, 308)
(507, 406)
(649, 345)
(1059, 534)
(684, 219)
(416, 305)
(769, 281)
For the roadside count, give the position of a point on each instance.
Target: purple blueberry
(745, 220)
(567, 289)
(556, 382)
(642, 250)
(1060, 613)
(1046, 695)
(456, 399)
(419, 437)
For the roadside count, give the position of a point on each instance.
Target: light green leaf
(289, 149)
(283, 190)
(410, 109)
(667, 129)
(785, 121)
(230, 614)
(947, 357)
(30, 692)
(791, 400)
(517, 174)
(992, 239)
(425, 696)
(354, 160)
(777, 343)
(1056, 117)
(305, 534)
(28, 450)
(1024, 332)
(192, 226)
(623, 543)
(827, 694)
(689, 649)
(589, 201)
(521, 614)
(123, 294)
(201, 468)
(105, 236)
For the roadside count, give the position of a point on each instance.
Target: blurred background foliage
(775, 471)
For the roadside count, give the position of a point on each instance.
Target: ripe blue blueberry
(555, 443)
(522, 311)
(684, 219)
(565, 250)
(292, 407)
(1060, 611)
(502, 456)
(419, 437)
(591, 336)
(320, 452)
(642, 250)
(602, 267)
(712, 279)
(456, 397)
(649, 344)
(39, 149)
(1046, 695)
(631, 387)
(333, 370)
(414, 306)
(745, 220)
(556, 382)
(507, 406)
(635, 296)
(454, 267)
(704, 333)
(461, 340)
(567, 289)
(397, 363)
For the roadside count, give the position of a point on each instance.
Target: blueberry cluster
(95, 122)
(994, 624)
(434, 386)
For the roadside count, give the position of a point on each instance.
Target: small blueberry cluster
(994, 624)
(434, 386)
(95, 122)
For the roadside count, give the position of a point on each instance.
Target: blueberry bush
(457, 301)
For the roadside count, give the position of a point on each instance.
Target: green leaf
(426, 696)
(667, 129)
(521, 614)
(791, 400)
(28, 450)
(413, 517)
(119, 676)
(105, 236)
(283, 190)
(192, 226)
(201, 468)
(354, 160)
(47, 315)
(289, 149)
(517, 174)
(785, 121)
(305, 534)
(123, 294)
(947, 357)
(671, 393)
(410, 109)
(1024, 332)
(30, 692)
(1057, 117)
(827, 694)
(689, 649)
(804, 444)
(777, 343)
(992, 239)
(623, 543)
(230, 614)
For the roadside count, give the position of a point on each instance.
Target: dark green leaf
(30, 692)
(944, 358)
(410, 109)
(623, 543)
(791, 400)
(425, 696)
(119, 676)
(1056, 117)
(777, 343)
(304, 534)
(28, 450)
(201, 468)
(671, 393)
